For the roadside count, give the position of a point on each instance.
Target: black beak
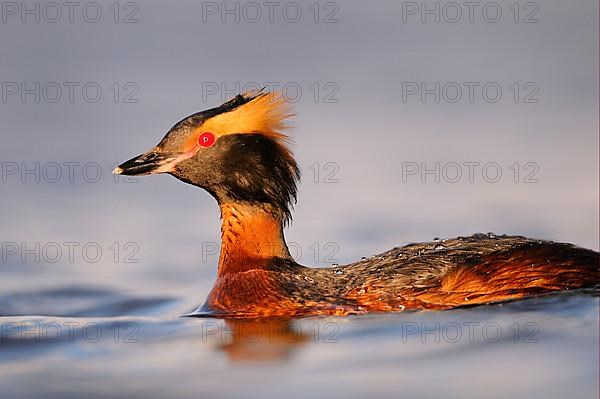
(146, 164)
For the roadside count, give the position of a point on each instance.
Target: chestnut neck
(251, 237)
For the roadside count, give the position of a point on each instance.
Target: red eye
(206, 139)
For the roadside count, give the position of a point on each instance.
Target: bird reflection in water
(256, 340)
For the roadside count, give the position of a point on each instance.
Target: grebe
(239, 154)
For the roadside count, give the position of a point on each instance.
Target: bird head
(237, 152)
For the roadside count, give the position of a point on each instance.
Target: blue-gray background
(356, 129)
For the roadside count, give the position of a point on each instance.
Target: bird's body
(237, 153)
(478, 269)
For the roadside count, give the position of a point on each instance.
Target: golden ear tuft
(266, 114)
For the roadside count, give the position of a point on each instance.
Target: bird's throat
(251, 237)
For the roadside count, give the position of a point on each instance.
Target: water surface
(109, 345)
